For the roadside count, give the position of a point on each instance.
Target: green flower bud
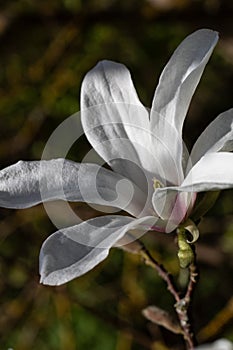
(185, 252)
(186, 257)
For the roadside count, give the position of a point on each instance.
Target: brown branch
(193, 275)
(182, 305)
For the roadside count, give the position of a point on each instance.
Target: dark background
(46, 48)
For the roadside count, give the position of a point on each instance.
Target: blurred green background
(46, 48)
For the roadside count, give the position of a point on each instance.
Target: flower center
(157, 183)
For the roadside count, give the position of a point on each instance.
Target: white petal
(115, 122)
(169, 150)
(221, 344)
(176, 86)
(172, 206)
(25, 184)
(214, 171)
(109, 82)
(181, 75)
(172, 97)
(218, 136)
(73, 251)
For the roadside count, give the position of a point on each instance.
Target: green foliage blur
(46, 47)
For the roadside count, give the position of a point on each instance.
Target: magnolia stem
(187, 258)
(193, 275)
(182, 305)
(182, 308)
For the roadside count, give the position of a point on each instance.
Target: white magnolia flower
(145, 152)
(221, 344)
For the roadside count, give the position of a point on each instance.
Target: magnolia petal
(220, 344)
(172, 206)
(169, 150)
(173, 94)
(109, 82)
(214, 171)
(115, 122)
(181, 75)
(25, 184)
(73, 251)
(218, 136)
